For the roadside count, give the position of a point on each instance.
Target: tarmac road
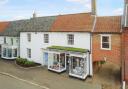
(7, 82)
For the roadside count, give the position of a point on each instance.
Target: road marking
(35, 84)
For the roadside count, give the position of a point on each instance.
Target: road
(7, 82)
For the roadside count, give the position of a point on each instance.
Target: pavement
(51, 80)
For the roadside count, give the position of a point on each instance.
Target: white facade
(37, 45)
(81, 40)
(1, 40)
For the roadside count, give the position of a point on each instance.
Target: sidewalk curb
(35, 84)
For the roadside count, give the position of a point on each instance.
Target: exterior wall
(1, 40)
(15, 41)
(125, 55)
(113, 55)
(82, 40)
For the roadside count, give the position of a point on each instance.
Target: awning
(68, 49)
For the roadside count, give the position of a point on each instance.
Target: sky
(23, 9)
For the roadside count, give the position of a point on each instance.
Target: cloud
(2, 2)
(85, 3)
(118, 11)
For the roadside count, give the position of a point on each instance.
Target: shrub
(25, 63)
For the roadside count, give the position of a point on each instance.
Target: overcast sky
(23, 9)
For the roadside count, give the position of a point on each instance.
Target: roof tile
(82, 22)
(108, 24)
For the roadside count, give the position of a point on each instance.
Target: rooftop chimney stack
(34, 14)
(93, 5)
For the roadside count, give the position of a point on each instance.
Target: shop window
(78, 66)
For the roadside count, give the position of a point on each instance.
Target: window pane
(105, 45)
(15, 52)
(105, 39)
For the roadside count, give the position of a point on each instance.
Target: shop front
(74, 60)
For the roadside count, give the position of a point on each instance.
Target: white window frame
(106, 35)
(29, 37)
(46, 38)
(29, 52)
(69, 40)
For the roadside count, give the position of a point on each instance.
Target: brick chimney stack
(93, 5)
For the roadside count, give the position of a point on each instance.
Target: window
(12, 41)
(15, 52)
(46, 38)
(70, 39)
(4, 52)
(29, 53)
(29, 37)
(4, 40)
(105, 42)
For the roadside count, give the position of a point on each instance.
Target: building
(68, 42)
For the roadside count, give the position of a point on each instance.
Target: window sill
(107, 49)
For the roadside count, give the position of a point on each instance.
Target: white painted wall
(82, 40)
(1, 40)
(15, 40)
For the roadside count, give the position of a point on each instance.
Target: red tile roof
(108, 24)
(3, 26)
(82, 22)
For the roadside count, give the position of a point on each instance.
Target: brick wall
(125, 55)
(113, 55)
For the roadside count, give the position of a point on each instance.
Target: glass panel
(105, 39)
(57, 61)
(9, 52)
(78, 66)
(105, 45)
(62, 61)
(14, 52)
(4, 52)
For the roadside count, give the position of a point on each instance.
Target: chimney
(93, 5)
(34, 14)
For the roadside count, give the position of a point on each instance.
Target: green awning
(72, 49)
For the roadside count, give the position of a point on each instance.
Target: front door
(46, 59)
